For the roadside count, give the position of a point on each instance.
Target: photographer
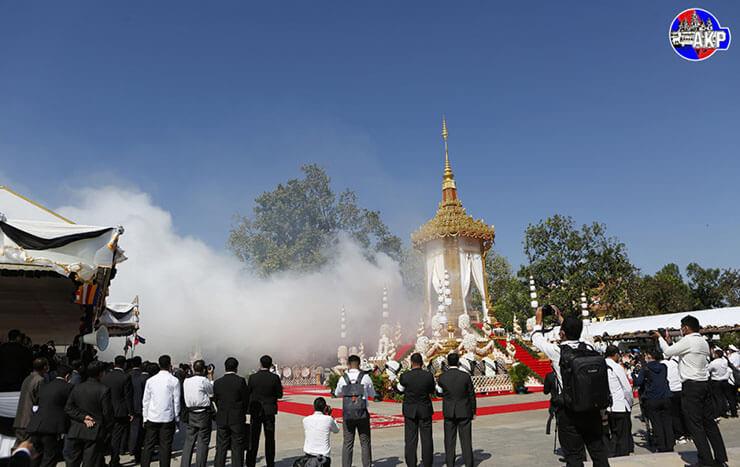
(693, 355)
(576, 428)
(318, 428)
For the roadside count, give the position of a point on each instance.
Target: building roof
(451, 220)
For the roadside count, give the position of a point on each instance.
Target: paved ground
(508, 439)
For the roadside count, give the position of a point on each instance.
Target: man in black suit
(458, 408)
(138, 382)
(91, 413)
(231, 396)
(16, 360)
(416, 385)
(121, 395)
(50, 422)
(265, 389)
(29, 397)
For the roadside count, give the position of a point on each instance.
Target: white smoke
(195, 297)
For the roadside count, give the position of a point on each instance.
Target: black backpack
(585, 378)
(354, 405)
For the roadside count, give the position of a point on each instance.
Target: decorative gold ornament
(451, 220)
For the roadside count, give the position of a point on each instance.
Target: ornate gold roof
(451, 220)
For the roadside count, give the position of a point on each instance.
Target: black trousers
(230, 438)
(659, 412)
(136, 437)
(679, 427)
(198, 431)
(157, 434)
(718, 397)
(49, 448)
(117, 437)
(620, 434)
(730, 391)
(697, 407)
(412, 429)
(85, 452)
(259, 423)
(463, 427)
(578, 431)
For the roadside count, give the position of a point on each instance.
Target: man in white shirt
(718, 380)
(620, 424)
(674, 383)
(362, 424)
(317, 429)
(198, 390)
(693, 355)
(576, 430)
(160, 411)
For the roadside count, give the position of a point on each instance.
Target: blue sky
(575, 108)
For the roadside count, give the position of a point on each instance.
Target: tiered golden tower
(454, 246)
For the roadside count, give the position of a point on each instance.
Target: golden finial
(448, 181)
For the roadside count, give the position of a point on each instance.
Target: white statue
(385, 345)
(422, 345)
(437, 327)
(510, 349)
(421, 330)
(342, 355)
(361, 351)
(463, 322)
(517, 327)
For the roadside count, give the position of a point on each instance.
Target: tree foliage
(566, 261)
(712, 287)
(292, 226)
(664, 292)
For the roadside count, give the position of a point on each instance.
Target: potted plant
(518, 373)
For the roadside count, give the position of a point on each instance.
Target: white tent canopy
(716, 317)
(32, 235)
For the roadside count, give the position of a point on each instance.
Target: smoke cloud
(194, 297)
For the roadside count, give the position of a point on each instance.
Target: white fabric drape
(465, 265)
(435, 277)
(477, 269)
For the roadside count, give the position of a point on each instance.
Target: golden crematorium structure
(454, 246)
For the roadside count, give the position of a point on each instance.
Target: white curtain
(465, 264)
(435, 276)
(477, 269)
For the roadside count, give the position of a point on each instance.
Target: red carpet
(541, 367)
(384, 421)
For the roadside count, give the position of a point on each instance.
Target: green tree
(665, 292)
(705, 286)
(292, 226)
(730, 286)
(712, 287)
(566, 261)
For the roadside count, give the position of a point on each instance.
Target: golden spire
(448, 181)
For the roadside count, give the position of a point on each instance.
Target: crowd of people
(81, 412)
(683, 389)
